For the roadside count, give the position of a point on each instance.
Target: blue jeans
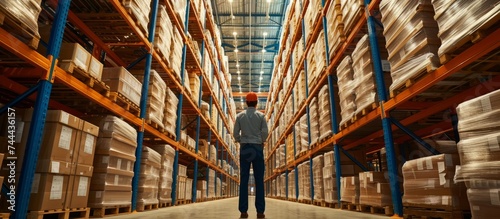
(252, 154)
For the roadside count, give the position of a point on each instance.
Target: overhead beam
(253, 15)
(244, 94)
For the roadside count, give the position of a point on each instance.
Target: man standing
(253, 127)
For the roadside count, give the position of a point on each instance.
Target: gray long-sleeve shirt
(253, 127)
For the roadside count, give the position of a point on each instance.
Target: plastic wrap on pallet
(149, 177)
(484, 203)
(305, 180)
(314, 120)
(139, 9)
(120, 80)
(345, 75)
(458, 20)
(189, 188)
(335, 27)
(25, 11)
(480, 125)
(325, 128)
(351, 10)
(428, 181)
(479, 105)
(180, 9)
(304, 133)
(318, 163)
(480, 150)
(163, 38)
(291, 184)
(155, 105)
(114, 125)
(349, 191)
(167, 154)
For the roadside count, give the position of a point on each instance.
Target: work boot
(261, 215)
(244, 215)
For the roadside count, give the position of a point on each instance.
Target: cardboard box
(95, 68)
(86, 143)
(48, 192)
(98, 199)
(78, 192)
(115, 180)
(484, 203)
(108, 142)
(121, 81)
(76, 53)
(114, 160)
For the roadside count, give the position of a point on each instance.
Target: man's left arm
(264, 132)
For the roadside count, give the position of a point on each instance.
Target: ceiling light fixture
(236, 50)
(263, 50)
(234, 33)
(239, 78)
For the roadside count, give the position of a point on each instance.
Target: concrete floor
(228, 208)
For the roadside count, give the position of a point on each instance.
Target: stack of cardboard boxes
(113, 163)
(304, 181)
(291, 185)
(345, 74)
(412, 39)
(163, 33)
(335, 27)
(176, 53)
(181, 182)
(364, 78)
(314, 120)
(479, 150)
(139, 9)
(325, 127)
(123, 82)
(329, 178)
(155, 105)
(73, 54)
(170, 112)
(374, 189)
(64, 169)
(201, 185)
(167, 154)
(349, 191)
(318, 164)
(351, 11)
(211, 184)
(149, 178)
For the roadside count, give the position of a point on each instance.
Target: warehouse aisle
(228, 209)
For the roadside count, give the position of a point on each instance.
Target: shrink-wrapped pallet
(148, 178)
(163, 33)
(167, 154)
(314, 120)
(411, 38)
(113, 163)
(347, 95)
(459, 20)
(155, 105)
(428, 181)
(304, 181)
(176, 53)
(374, 189)
(364, 78)
(304, 133)
(139, 9)
(317, 166)
(325, 127)
(484, 202)
(351, 12)
(291, 185)
(335, 25)
(350, 189)
(25, 12)
(170, 112)
(121, 81)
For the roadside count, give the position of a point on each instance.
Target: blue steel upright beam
(386, 123)
(143, 104)
(209, 140)
(286, 174)
(179, 108)
(216, 157)
(35, 134)
(198, 123)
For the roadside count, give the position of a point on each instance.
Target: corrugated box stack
(301, 89)
(329, 180)
(25, 12)
(201, 185)
(189, 189)
(345, 75)
(316, 59)
(349, 191)
(204, 148)
(155, 105)
(163, 33)
(479, 150)
(282, 157)
(428, 181)
(167, 154)
(149, 178)
(296, 131)
(282, 186)
(291, 185)
(65, 161)
(335, 26)
(176, 53)
(181, 182)
(304, 133)
(364, 79)
(213, 154)
(211, 184)
(290, 149)
(314, 120)
(139, 9)
(374, 189)
(325, 128)
(179, 7)
(73, 56)
(318, 164)
(411, 35)
(459, 20)
(205, 110)
(113, 163)
(170, 112)
(351, 12)
(122, 82)
(311, 15)
(304, 181)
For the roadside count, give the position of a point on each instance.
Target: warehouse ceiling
(250, 32)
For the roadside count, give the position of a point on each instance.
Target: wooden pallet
(110, 211)
(169, 134)
(468, 40)
(363, 112)
(60, 213)
(165, 204)
(387, 210)
(19, 29)
(321, 140)
(413, 211)
(349, 206)
(4, 215)
(155, 125)
(85, 77)
(319, 203)
(148, 207)
(332, 205)
(305, 201)
(124, 102)
(409, 82)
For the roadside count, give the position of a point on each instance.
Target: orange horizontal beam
(244, 94)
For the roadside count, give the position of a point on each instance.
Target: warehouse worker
(253, 127)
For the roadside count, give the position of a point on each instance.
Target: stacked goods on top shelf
(325, 128)
(167, 154)
(74, 58)
(155, 105)
(346, 83)
(459, 21)
(351, 12)
(428, 181)
(411, 35)
(478, 148)
(335, 27)
(304, 181)
(314, 120)
(139, 9)
(149, 178)
(64, 167)
(318, 164)
(180, 9)
(374, 189)
(163, 33)
(22, 17)
(310, 17)
(123, 83)
(113, 163)
(170, 112)
(349, 191)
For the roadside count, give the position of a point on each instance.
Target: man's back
(253, 127)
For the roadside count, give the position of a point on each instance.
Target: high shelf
(127, 45)
(420, 109)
